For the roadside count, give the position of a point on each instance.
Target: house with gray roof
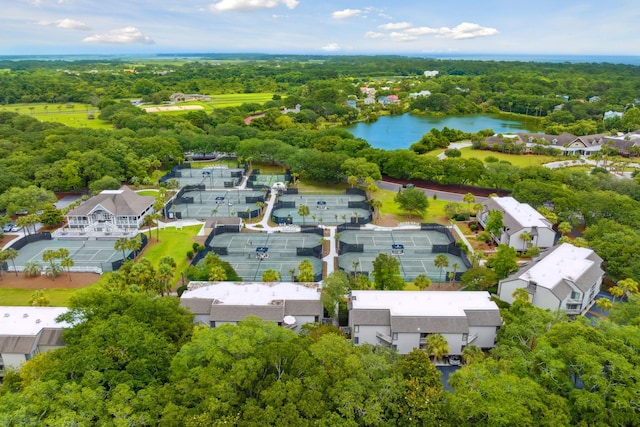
(564, 277)
(518, 218)
(288, 304)
(111, 210)
(403, 320)
(27, 331)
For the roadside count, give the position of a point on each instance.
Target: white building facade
(111, 210)
(27, 331)
(291, 305)
(563, 278)
(518, 218)
(403, 320)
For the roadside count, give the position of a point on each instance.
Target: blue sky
(320, 26)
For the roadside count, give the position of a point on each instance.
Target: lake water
(393, 132)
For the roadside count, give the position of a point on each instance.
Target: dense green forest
(134, 359)
(137, 360)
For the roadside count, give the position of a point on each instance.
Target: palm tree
(437, 346)
(292, 273)
(121, 244)
(148, 222)
(455, 266)
(67, 263)
(472, 353)
(135, 244)
(50, 256)
(375, 207)
(164, 275)
(441, 261)
(526, 237)
(157, 216)
(355, 265)
(422, 282)
(158, 204)
(303, 211)
(9, 254)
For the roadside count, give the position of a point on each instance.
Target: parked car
(15, 229)
(455, 360)
(7, 228)
(408, 185)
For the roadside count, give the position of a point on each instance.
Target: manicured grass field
(147, 193)
(174, 243)
(20, 297)
(314, 187)
(435, 211)
(60, 113)
(225, 100)
(514, 159)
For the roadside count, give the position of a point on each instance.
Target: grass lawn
(321, 188)
(224, 162)
(174, 243)
(435, 211)
(20, 297)
(223, 100)
(233, 99)
(147, 192)
(268, 169)
(514, 159)
(76, 116)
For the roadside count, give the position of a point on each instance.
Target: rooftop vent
(25, 315)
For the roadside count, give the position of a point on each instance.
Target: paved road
(441, 195)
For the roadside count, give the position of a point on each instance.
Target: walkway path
(463, 237)
(331, 257)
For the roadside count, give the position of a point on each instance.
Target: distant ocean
(574, 59)
(610, 59)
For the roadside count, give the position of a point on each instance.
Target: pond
(394, 132)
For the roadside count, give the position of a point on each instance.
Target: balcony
(384, 337)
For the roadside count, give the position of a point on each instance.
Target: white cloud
(128, 35)
(401, 37)
(395, 26)
(231, 5)
(331, 47)
(462, 31)
(466, 30)
(68, 24)
(374, 35)
(421, 31)
(346, 13)
(72, 24)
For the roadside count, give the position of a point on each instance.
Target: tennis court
(269, 179)
(220, 203)
(85, 254)
(323, 209)
(413, 248)
(251, 254)
(211, 177)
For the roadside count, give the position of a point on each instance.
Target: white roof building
(27, 331)
(519, 218)
(565, 277)
(288, 304)
(404, 319)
